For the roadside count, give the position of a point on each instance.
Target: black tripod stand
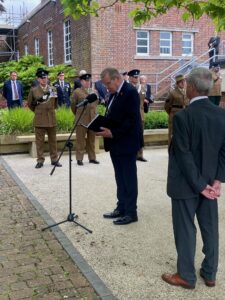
(71, 216)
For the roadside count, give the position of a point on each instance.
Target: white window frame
(67, 42)
(191, 46)
(26, 50)
(37, 46)
(140, 40)
(163, 46)
(50, 48)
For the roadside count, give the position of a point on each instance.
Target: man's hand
(106, 133)
(210, 192)
(217, 186)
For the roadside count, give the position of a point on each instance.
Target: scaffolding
(9, 21)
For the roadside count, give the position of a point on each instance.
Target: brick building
(112, 39)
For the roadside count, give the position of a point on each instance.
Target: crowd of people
(196, 166)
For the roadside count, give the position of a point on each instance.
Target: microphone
(90, 98)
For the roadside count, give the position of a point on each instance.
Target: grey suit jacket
(197, 152)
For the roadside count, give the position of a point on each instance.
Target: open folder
(97, 122)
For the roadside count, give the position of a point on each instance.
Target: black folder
(97, 122)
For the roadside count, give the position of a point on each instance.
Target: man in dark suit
(13, 91)
(63, 90)
(123, 139)
(196, 170)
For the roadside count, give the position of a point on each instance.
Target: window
(67, 42)
(142, 39)
(36, 47)
(187, 44)
(50, 49)
(165, 43)
(26, 50)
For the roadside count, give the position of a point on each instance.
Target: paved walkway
(33, 264)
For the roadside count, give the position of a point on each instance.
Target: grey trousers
(183, 214)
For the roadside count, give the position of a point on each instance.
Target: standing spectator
(134, 80)
(102, 91)
(213, 44)
(196, 170)
(77, 83)
(63, 90)
(88, 114)
(13, 91)
(148, 96)
(175, 101)
(125, 76)
(123, 139)
(215, 92)
(42, 100)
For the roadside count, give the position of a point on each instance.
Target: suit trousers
(40, 142)
(82, 143)
(140, 152)
(126, 179)
(183, 213)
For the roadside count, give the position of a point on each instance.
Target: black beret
(61, 73)
(134, 73)
(85, 76)
(124, 73)
(42, 73)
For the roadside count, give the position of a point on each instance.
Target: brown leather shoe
(175, 279)
(209, 283)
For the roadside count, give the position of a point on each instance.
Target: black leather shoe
(56, 163)
(80, 163)
(93, 161)
(125, 220)
(114, 214)
(39, 165)
(141, 159)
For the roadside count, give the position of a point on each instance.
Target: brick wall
(110, 39)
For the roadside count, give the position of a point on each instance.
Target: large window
(36, 46)
(142, 42)
(67, 42)
(50, 49)
(165, 43)
(187, 44)
(26, 50)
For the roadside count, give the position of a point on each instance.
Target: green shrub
(20, 120)
(16, 121)
(156, 119)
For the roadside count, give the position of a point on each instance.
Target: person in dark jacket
(213, 44)
(13, 91)
(63, 90)
(123, 139)
(195, 172)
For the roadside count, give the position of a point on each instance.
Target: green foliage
(65, 119)
(147, 9)
(20, 120)
(156, 119)
(26, 69)
(15, 121)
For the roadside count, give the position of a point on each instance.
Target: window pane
(142, 50)
(165, 35)
(142, 43)
(142, 34)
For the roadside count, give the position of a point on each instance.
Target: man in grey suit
(195, 172)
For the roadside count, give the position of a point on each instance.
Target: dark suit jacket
(63, 94)
(197, 152)
(215, 41)
(7, 92)
(125, 120)
(101, 89)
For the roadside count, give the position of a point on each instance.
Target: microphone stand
(71, 216)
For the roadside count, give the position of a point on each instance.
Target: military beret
(134, 73)
(124, 73)
(42, 73)
(61, 73)
(85, 77)
(216, 64)
(179, 78)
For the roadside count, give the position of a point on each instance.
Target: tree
(147, 9)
